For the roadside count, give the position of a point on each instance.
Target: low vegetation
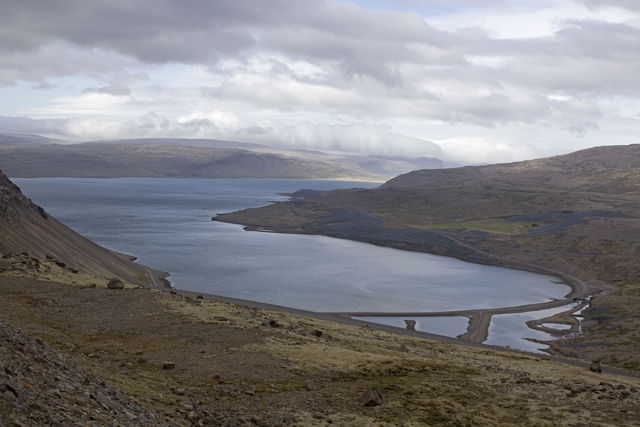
(574, 214)
(232, 365)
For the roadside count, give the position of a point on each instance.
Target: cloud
(55, 59)
(193, 32)
(114, 89)
(323, 74)
(625, 4)
(482, 150)
(360, 139)
(585, 57)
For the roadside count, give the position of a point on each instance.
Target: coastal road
(152, 277)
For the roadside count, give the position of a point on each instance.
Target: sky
(467, 81)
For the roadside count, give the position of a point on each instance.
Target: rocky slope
(27, 229)
(39, 386)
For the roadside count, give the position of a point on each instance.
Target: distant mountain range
(602, 178)
(30, 156)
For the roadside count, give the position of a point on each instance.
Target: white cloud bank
(372, 77)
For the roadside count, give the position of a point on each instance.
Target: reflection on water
(450, 326)
(167, 224)
(511, 329)
(558, 326)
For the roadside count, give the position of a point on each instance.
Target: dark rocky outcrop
(38, 386)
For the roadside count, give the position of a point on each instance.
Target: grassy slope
(576, 214)
(235, 365)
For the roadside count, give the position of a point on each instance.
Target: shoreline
(578, 288)
(479, 319)
(332, 317)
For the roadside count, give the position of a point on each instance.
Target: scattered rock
(371, 397)
(142, 360)
(596, 366)
(411, 324)
(166, 365)
(6, 387)
(115, 283)
(199, 297)
(39, 386)
(402, 348)
(317, 333)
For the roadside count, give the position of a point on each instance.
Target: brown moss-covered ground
(243, 366)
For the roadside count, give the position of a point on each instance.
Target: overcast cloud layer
(467, 81)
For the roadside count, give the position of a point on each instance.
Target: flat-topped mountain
(27, 229)
(25, 139)
(151, 158)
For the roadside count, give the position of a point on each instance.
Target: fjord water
(166, 223)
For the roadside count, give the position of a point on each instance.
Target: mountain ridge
(24, 156)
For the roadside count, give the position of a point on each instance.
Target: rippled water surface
(167, 224)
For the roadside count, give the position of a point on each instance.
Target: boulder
(168, 365)
(411, 324)
(115, 283)
(371, 397)
(596, 366)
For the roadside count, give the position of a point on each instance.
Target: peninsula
(574, 216)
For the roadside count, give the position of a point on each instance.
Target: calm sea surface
(167, 224)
